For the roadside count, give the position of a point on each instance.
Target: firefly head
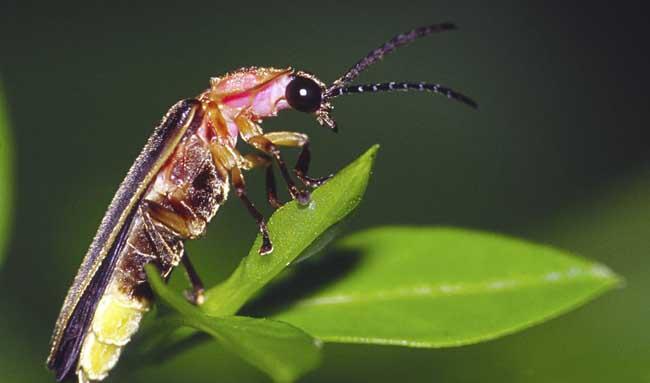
(305, 93)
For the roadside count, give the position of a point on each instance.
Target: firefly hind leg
(298, 140)
(164, 253)
(196, 294)
(155, 211)
(161, 248)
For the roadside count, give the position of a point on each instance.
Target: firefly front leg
(293, 139)
(252, 134)
(265, 145)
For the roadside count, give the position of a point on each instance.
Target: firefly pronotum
(178, 182)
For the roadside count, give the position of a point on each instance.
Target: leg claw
(195, 297)
(311, 181)
(303, 197)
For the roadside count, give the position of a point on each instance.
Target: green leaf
(440, 287)
(282, 351)
(6, 177)
(293, 228)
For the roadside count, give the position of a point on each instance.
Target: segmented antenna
(405, 86)
(386, 48)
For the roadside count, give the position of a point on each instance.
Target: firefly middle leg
(256, 160)
(229, 160)
(240, 189)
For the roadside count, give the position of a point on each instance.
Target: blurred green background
(558, 153)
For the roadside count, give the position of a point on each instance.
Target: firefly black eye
(304, 94)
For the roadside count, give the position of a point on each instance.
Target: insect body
(175, 187)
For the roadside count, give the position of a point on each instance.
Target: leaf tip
(372, 151)
(364, 162)
(604, 273)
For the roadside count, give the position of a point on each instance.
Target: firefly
(178, 182)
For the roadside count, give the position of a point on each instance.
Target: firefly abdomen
(181, 200)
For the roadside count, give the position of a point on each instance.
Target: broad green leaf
(293, 228)
(279, 349)
(6, 177)
(439, 287)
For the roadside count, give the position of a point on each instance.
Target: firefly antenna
(405, 86)
(388, 47)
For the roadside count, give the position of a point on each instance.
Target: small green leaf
(167, 296)
(295, 231)
(6, 177)
(282, 351)
(293, 228)
(439, 287)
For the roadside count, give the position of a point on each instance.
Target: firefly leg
(240, 189)
(293, 139)
(265, 145)
(229, 160)
(271, 191)
(252, 134)
(196, 295)
(161, 247)
(164, 253)
(167, 217)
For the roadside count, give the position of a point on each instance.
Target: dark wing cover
(98, 264)
(64, 359)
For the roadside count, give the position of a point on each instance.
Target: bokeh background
(558, 153)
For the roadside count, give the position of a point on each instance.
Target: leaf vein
(523, 281)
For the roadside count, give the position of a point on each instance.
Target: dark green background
(558, 153)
